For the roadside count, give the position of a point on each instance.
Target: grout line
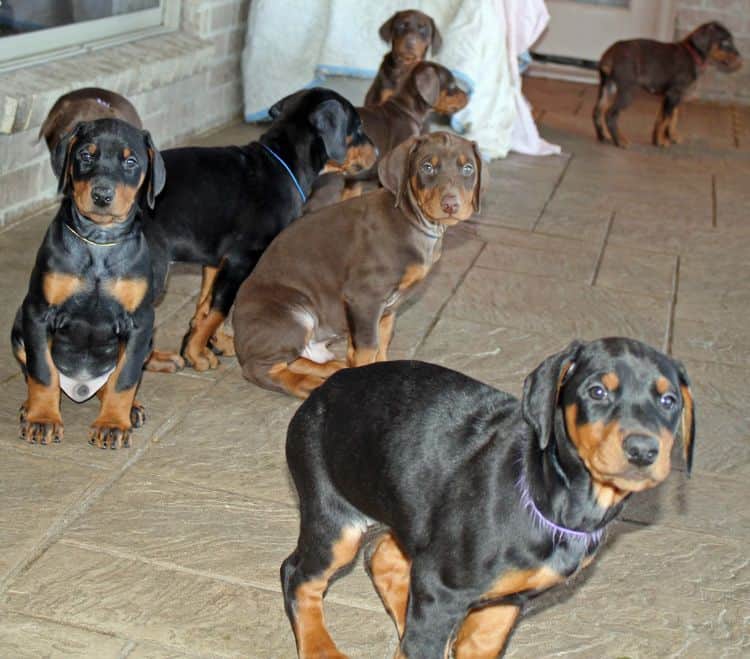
(127, 649)
(714, 202)
(552, 194)
(56, 529)
(669, 334)
(439, 313)
(600, 257)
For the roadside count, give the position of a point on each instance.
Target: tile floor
(172, 547)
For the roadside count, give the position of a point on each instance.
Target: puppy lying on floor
(345, 270)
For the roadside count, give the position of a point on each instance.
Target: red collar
(700, 63)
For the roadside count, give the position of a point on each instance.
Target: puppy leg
(603, 102)
(221, 343)
(364, 319)
(672, 134)
(327, 544)
(389, 569)
(623, 98)
(667, 115)
(484, 632)
(385, 331)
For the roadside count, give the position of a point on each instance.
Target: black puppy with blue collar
(487, 500)
(222, 206)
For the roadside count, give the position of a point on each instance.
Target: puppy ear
(329, 120)
(437, 39)
(61, 158)
(687, 429)
(427, 81)
(386, 29)
(280, 106)
(476, 200)
(157, 174)
(541, 390)
(393, 168)
(702, 38)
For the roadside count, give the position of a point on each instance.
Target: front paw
(106, 434)
(201, 359)
(222, 343)
(40, 430)
(137, 415)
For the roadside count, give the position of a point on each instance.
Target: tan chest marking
(413, 274)
(128, 292)
(58, 287)
(518, 581)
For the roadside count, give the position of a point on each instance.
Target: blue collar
(288, 171)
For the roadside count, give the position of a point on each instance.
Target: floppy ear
(702, 38)
(477, 198)
(61, 158)
(687, 429)
(437, 39)
(280, 106)
(329, 119)
(393, 168)
(386, 29)
(157, 174)
(427, 82)
(542, 388)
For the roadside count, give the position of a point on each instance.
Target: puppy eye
(86, 156)
(597, 392)
(668, 401)
(130, 162)
(467, 169)
(427, 168)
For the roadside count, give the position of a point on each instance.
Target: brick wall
(180, 83)
(735, 16)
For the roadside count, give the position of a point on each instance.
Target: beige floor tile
(636, 271)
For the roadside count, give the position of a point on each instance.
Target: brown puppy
(667, 69)
(410, 34)
(429, 87)
(345, 270)
(85, 104)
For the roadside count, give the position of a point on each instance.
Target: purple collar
(558, 532)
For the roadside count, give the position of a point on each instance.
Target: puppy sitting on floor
(345, 270)
(86, 323)
(410, 34)
(666, 69)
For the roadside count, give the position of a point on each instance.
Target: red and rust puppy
(666, 69)
(410, 34)
(487, 500)
(86, 323)
(345, 270)
(428, 87)
(86, 104)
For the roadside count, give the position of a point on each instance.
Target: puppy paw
(104, 434)
(202, 359)
(222, 343)
(39, 431)
(165, 362)
(137, 415)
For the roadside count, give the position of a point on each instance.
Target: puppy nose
(641, 449)
(102, 195)
(449, 204)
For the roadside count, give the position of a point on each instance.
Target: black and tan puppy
(86, 323)
(345, 270)
(222, 206)
(487, 500)
(428, 87)
(666, 69)
(86, 104)
(410, 34)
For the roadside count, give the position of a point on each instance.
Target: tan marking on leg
(660, 130)
(313, 639)
(296, 384)
(672, 133)
(128, 292)
(197, 352)
(304, 366)
(385, 331)
(203, 305)
(112, 427)
(361, 356)
(413, 274)
(41, 421)
(390, 573)
(58, 287)
(484, 632)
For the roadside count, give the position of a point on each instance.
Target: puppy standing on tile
(86, 323)
(666, 69)
(410, 34)
(344, 271)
